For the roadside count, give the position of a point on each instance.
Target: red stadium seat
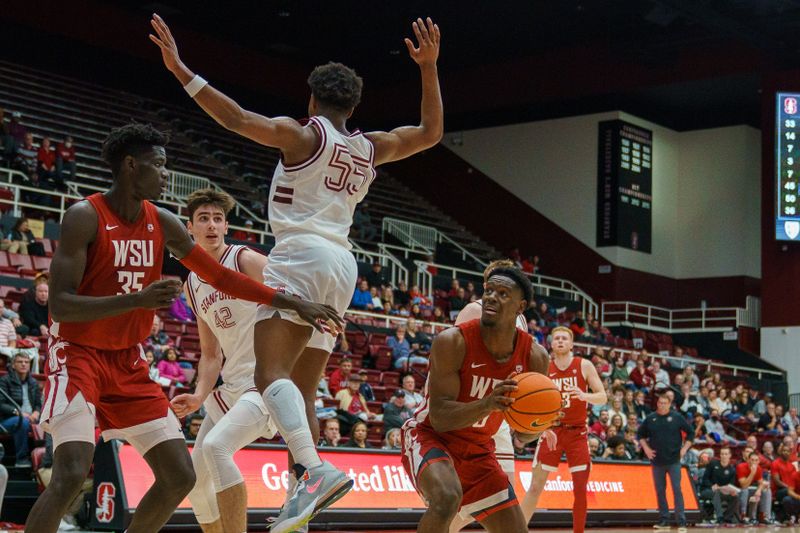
(20, 261)
(41, 263)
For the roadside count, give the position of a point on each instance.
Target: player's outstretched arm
(281, 132)
(408, 140)
(208, 368)
(193, 257)
(78, 230)
(444, 382)
(598, 395)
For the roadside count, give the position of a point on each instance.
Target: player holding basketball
(105, 285)
(571, 375)
(448, 449)
(235, 412)
(504, 447)
(325, 170)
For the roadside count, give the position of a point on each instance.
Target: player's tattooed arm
(444, 381)
(78, 230)
(296, 142)
(408, 140)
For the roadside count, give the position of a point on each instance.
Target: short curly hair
(131, 139)
(336, 85)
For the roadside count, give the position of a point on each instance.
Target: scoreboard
(625, 186)
(787, 167)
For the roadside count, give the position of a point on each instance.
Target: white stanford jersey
(231, 320)
(320, 194)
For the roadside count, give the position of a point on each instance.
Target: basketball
(537, 403)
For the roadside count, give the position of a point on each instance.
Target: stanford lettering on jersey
(481, 385)
(213, 298)
(133, 253)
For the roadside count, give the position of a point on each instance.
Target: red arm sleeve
(224, 279)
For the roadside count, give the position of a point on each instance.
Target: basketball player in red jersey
(448, 446)
(104, 287)
(325, 170)
(571, 375)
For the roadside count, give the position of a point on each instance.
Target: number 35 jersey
(319, 195)
(231, 320)
(124, 257)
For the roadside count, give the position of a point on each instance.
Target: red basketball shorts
(573, 441)
(484, 484)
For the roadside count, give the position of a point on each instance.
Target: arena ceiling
(686, 64)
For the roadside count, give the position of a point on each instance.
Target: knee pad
(202, 497)
(219, 460)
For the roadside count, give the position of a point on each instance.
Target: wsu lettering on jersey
(134, 253)
(481, 386)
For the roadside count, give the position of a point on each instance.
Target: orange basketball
(537, 403)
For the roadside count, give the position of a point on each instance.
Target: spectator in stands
(402, 354)
(377, 304)
(387, 298)
(401, 294)
(547, 318)
(352, 403)
(26, 158)
(616, 449)
(19, 238)
(618, 422)
(528, 265)
(377, 277)
(769, 423)
(246, 234)
(691, 401)
(758, 403)
(417, 298)
(633, 359)
(662, 376)
(723, 404)
(34, 309)
(453, 290)
(331, 436)
(642, 377)
(755, 491)
(395, 411)
(16, 129)
(158, 341)
(46, 162)
(611, 431)
(457, 302)
(341, 376)
(13, 316)
(192, 427)
(700, 432)
(152, 366)
(392, 440)
(365, 388)
(17, 416)
(615, 409)
(719, 484)
(716, 430)
(469, 292)
(362, 223)
(180, 310)
(8, 336)
(536, 331)
(628, 403)
(413, 398)
(600, 426)
(65, 161)
(791, 420)
(358, 436)
(690, 376)
(768, 453)
(362, 299)
(170, 369)
(620, 373)
(595, 447)
(416, 312)
(642, 409)
(342, 345)
(419, 340)
(779, 411)
(578, 327)
(439, 316)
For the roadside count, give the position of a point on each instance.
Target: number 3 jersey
(319, 195)
(125, 257)
(231, 320)
(572, 376)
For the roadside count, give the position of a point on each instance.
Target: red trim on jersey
(499, 507)
(284, 190)
(314, 121)
(356, 132)
(282, 199)
(220, 403)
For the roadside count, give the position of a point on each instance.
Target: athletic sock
(579, 481)
(288, 410)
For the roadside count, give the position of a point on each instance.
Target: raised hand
(165, 41)
(428, 36)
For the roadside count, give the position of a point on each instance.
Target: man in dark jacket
(17, 419)
(34, 308)
(395, 411)
(720, 486)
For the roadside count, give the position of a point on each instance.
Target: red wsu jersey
(124, 257)
(480, 372)
(572, 376)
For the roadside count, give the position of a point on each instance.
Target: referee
(665, 437)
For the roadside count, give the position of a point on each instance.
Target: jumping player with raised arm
(325, 170)
(235, 411)
(104, 288)
(574, 377)
(448, 446)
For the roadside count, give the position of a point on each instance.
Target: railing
(397, 272)
(181, 184)
(420, 236)
(543, 285)
(680, 362)
(392, 321)
(704, 319)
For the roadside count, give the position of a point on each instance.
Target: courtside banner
(381, 482)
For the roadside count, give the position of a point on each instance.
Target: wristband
(194, 86)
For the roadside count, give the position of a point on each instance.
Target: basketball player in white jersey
(325, 170)
(504, 447)
(236, 414)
